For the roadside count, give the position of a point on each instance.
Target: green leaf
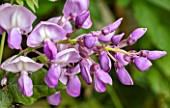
(5, 99)
(36, 3)
(42, 59)
(20, 2)
(30, 3)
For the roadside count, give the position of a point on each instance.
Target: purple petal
(99, 85)
(124, 76)
(73, 86)
(104, 77)
(153, 55)
(142, 64)
(117, 38)
(2, 6)
(67, 26)
(72, 8)
(14, 38)
(54, 99)
(52, 77)
(105, 61)
(105, 38)
(120, 57)
(89, 41)
(63, 78)
(85, 71)
(135, 35)
(25, 85)
(83, 21)
(113, 26)
(16, 16)
(45, 31)
(50, 50)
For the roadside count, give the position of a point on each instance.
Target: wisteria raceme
(91, 55)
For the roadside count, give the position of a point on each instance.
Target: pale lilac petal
(85, 71)
(72, 8)
(67, 26)
(45, 31)
(105, 61)
(83, 21)
(73, 86)
(25, 85)
(50, 50)
(2, 6)
(14, 38)
(63, 78)
(99, 85)
(117, 38)
(66, 56)
(52, 77)
(104, 76)
(124, 76)
(61, 47)
(54, 99)
(8, 61)
(153, 55)
(16, 16)
(89, 41)
(142, 64)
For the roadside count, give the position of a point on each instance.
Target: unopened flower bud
(85, 71)
(135, 35)
(89, 41)
(54, 99)
(4, 81)
(153, 55)
(142, 64)
(117, 38)
(105, 61)
(106, 38)
(83, 21)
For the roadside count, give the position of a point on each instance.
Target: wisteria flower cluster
(69, 57)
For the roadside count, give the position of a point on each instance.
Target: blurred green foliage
(152, 88)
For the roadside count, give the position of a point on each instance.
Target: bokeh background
(152, 88)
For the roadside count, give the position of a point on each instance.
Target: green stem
(115, 99)
(2, 45)
(116, 50)
(11, 1)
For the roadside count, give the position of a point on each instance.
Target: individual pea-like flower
(54, 99)
(117, 38)
(122, 74)
(135, 35)
(46, 33)
(105, 61)
(73, 8)
(85, 65)
(67, 25)
(4, 81)
(16, 20)
(101, 78)
(23, 65)
(62, 59)
(70, 79)
(83, 21)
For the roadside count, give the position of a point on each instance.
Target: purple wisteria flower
(16, 20)
(46, 34)
(23, 65)
(73, 8)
